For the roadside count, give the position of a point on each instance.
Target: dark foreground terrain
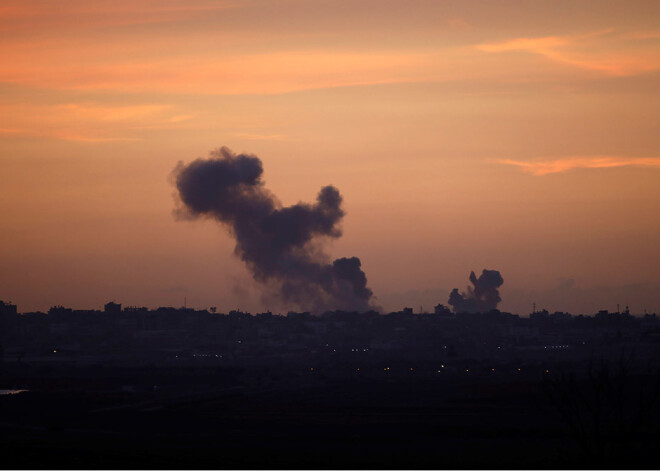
(212, 417)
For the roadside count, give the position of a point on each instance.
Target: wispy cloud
(261, 137)
(85, 46)
(86, 122)
(544, 167)
(17, 15)
(608, 52)
(62, 135)
(221, 73)
(112, 113)
(82, 138)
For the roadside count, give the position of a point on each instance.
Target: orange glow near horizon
(429, 117)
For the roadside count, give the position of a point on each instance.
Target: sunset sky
(517, 136)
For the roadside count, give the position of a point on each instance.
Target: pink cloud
(545, 167)
(617, 54)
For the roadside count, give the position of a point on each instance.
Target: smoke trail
(274, 241)
(483, 297)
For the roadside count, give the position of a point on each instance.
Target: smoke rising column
(275, 242)
(483, 297)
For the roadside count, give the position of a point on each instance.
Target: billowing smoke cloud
(483, 297)
(277, 243)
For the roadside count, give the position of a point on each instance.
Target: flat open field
(350, 423)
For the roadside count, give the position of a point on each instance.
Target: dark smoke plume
(277, 243)
(483, 297)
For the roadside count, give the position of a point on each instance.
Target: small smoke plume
(277, 243)
(483, 297)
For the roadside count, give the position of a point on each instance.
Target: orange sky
(518, 136)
